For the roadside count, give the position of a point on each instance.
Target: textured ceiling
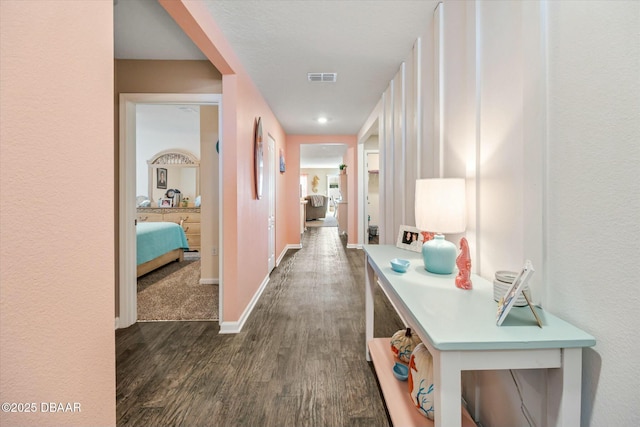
(279, 42)
(142, 29)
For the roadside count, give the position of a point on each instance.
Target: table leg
(370, 283)
(564, 390)
(447, 389)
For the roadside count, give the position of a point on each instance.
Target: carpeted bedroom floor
(174, 292)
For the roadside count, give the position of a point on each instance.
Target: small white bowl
(400, 265)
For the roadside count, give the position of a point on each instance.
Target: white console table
(459, 329)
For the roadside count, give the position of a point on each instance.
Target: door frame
(271, 191)
(127, 280)
(365, 228)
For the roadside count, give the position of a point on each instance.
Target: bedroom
(144, 86)
(168, 142)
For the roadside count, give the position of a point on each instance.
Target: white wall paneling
(398, 147)
(388, 197)
(542, 118)
(593, 194)
(438, 91)
(500, 201)
(411, 135)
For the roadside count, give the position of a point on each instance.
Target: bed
(158, 243)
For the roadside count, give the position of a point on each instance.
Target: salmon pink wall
(293, 181)
(57, 341)
(244, 217)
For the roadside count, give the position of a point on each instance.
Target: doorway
(372, 196)
(370, 176)
(271, 191)
(127, 289)
(319, 164)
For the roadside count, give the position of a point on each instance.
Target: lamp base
(439, 255)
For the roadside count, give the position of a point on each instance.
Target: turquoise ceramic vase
(439, 255)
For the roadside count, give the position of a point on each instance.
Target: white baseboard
(209, 281)
(354, 246)
(236, 327)
(284, 252)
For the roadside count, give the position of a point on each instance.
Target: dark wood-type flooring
(299, 360)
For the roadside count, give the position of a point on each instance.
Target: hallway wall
(542, 119)
(57, 247)
(245, 218)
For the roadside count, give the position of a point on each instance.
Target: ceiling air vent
(322, 77)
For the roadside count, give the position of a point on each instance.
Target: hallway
(299, 360)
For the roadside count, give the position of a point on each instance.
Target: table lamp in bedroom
(440, 208)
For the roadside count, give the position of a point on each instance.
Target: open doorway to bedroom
(164, 182)
(168, 153)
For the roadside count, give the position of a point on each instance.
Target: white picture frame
(510, 297)
(409, 238)
(166, 203)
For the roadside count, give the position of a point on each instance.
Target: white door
(271, 151)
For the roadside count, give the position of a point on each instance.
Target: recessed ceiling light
(322, 120)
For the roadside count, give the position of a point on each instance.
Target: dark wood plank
(299, 360)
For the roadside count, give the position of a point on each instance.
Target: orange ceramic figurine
(463, 262)
(426, 236)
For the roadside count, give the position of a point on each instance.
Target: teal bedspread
(157, 238)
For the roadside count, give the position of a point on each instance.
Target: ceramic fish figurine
(463, 262)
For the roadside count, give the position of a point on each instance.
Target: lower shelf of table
(396, 394)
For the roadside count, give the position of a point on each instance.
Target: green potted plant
(343, 169)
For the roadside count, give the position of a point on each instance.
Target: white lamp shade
(440, 205)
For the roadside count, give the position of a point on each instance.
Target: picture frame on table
(409, 238)
(510, 297)
(166, 203)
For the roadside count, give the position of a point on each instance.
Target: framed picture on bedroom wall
(161, 178)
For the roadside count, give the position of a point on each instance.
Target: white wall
(594, 195)
(163, 127)
(541, 114)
